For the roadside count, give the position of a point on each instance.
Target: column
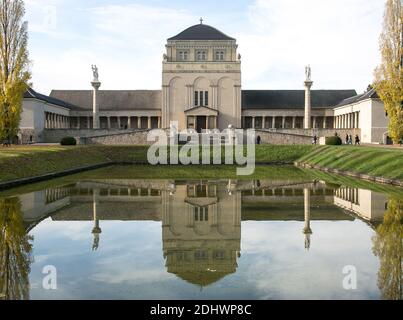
(314, 122)
(119, 124)
(149, 123)
(307, 218)
(108, 119)
(283, 122)
(166, 106)
(324, 122)
(253, 122)
(263, 122)
(189, 102)
(159, 122)
(294, 120)
(96, 231)
(88, 123)
(207, 117)
(273, 122)
(139, 122)
(358, 119)
(129, 122)
(308, 106)
(95, 107)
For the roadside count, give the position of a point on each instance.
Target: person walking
(357, 140)
(347, 138)
(350, 139)
(258, 140)
(315, 140)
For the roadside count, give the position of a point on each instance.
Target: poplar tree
(14, 65)
(389, 75)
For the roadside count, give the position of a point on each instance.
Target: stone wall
(321, 132)
(282, 138)
(301, 136)
(123, 138)
(56, 135)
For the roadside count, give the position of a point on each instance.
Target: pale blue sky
(276, 38)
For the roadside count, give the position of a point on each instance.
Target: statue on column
(308, 73)
(95, 73)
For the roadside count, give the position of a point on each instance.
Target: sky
(276, 38)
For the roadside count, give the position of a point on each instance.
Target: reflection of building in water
(201, 221)
(367, 204)
(201, 232)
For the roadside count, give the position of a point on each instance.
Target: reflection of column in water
(96, 231)
(307, 213)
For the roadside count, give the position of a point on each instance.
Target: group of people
(349, 139)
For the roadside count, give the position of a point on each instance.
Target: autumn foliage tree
(14, 65)
(389, 75)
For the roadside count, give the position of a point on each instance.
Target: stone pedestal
(95, 107)
(308, 105)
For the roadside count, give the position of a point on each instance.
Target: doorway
(201, 123)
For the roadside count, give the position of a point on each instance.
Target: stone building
(201, 89)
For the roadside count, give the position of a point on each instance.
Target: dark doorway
(201, 123)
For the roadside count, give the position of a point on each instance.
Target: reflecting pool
(204, 239)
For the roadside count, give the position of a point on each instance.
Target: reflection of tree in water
(15, 251)
(388, 247)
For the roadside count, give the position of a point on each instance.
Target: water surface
(271, 238)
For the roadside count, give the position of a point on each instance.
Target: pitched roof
(292, 99)
(370, 94)
(201, 32)
(32, 94)
(112, 99)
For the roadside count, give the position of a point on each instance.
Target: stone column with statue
(96, 84)
(308, 103)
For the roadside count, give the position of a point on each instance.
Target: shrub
(68, 141)
(333, 141)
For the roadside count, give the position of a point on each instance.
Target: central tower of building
(201, 80)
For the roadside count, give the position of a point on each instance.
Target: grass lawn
(383, 162)
(29, 161)
(22, 162)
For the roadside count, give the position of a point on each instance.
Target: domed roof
(201, 32)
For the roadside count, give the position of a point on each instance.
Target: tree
(14, 65)
(15, 251)
(388, 247)
(389, 75)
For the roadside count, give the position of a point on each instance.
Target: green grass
(373, 161)
(23, 162)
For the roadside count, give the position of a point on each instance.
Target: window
(183, 55)
(219, 55)
(201, 55)
(201, 98)
(201, 214)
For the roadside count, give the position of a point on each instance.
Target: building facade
(201, 90)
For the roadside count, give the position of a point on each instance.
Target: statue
(308, 72)
(165, 57)
(239, 57)
(95, 73)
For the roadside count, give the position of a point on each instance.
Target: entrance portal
(201, 123)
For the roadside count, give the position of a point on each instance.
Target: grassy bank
(382, 162)
(23, 162)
